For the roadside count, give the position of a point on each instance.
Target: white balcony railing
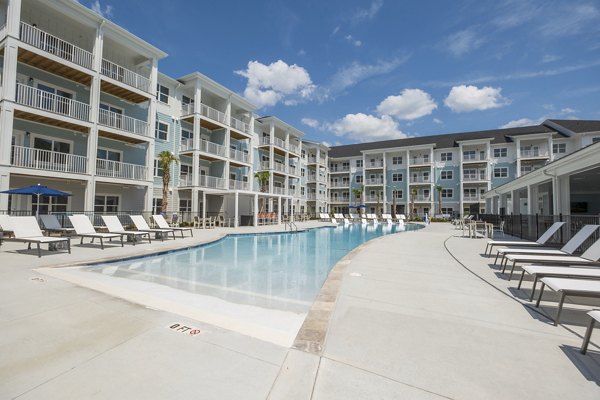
(316, 178)
(279, 142)
(42, 100)
(420, 179)
(186, 180)
(337, 199)
(336, 168)
(279, 167)
(371, 198)
(294, 149)
(121, 170)
(51, 44)
(123, 122)
(124, 75)
(265, 140)
(420, 160)
(471, 197)
(374, 164)
(213, 182)
(186, 145)
(342, 184)
(314, 196)
(211, 113)
(27, 157)
(279, 190)
(187, 109)
(533, 153)
(264, 165)
(481, 176)
(238, 185)
(238, 155)
(239, 125)
(421, 197)
(374, 181)
(212, 148)
(474, 157)
(293, 170)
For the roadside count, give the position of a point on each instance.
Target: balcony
(113, 169)
(212, 113)
(239, 125)
(294, 149)
(212, 148)
(374, 198)
(336, 168)
(420, 161)
(342, 184)
(313, 160)
(239, 155)
(471, 197)
(238, 185)
(123, 123)
(187, 109)
(279, 167)
(315, 197)
(336, 199)
(42, 100)
(279, 190)
(279, 143)
(373, 181)
(481, 176)
(420, 179)
(186, 180)
(213, 182)
(533, 153)
(474, 157)
(374, 164)
(51, 44)
(27, 157)
(125, 76)
(422, 198)
(316, 178)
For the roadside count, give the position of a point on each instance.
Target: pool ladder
(291, 224)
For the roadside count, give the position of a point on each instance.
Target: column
(278, 210)
(13, 19)
(203, 204)
(236, 209)
(255, 222)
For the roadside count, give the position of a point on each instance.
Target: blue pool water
(279, 271)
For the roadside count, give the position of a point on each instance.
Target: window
(345, 165)
(158, 171)
(447, 175)
(302, 172)
(49, 144)
(184, 99)
(187, 135)
(396, 177)
(446, 156)
(397, 194)
(359, 163)
(185, 205)
(49, 204)
(559, 148)
(501, 172)
(162, 93)
(359, 179)
(447, 193)
(447, 210)
(161, 131)
(469, 155)
(500, 152)
(106, 203)
(302, 190)
(156, 206)
(397, 160)
(110, 155)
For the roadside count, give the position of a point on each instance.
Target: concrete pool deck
(408, 321)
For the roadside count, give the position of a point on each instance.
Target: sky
(365, 70)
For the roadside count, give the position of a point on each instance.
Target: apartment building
(454, 170)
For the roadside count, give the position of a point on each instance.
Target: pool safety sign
(187, 330)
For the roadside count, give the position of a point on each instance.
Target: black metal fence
(531, 227)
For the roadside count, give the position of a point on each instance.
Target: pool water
(276, 271)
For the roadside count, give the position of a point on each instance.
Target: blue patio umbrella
(37, 190)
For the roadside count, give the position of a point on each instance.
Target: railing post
(521, 226)
(537, 229)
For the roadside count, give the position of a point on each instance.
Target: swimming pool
(282, 271)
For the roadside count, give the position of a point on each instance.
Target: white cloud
(408, 105)
(470, 98)
(570, 20)
(106, 11)
(335, 30)
(269, 84)
(367, 13)
(523, 122)
(550, 58)
(438, 121)
(568, 110)
(326, 144)
(462, 42)
(354, 42)
(313, 123)
(365, 128)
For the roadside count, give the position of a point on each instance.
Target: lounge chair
(567, 249)
(341, 218)
(84, 229)
(543, 271)
(163, 224)
(590, 257)
(594, 317)
(541, 240)
(387, 218)
(142, 226)
(51, 224)
(26, 229)
(5, 225)
(371, 218)
(568, 287)
(114, 226)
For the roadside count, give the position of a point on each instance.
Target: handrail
(209, 112)
(123, 122)
(124, 75)
(114, 169)
(40, 99)
(29, 157)
(239, 125)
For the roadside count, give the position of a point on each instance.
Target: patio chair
(568, 249)
(84, 229)
(51, 224)
(114, 226)
(142, 226)
(5, 225)
(163, 224)
(589, 257)
(540, 241)
(568, 287)
(387, 218)
(26, 229)
(543, 271)
(594, 317)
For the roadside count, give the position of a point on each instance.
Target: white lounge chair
(543, 271)
(114, 226)
(26, 229)
(387, 218)
(142, 226)
(568, 287)
(51, 224)
(5, 225)
(589, 257)
(594, 317)
(341, 218)
(567, 249)
(371, 218)
(84, 229)
(163, 224)
(541, 240)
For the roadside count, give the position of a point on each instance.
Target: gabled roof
(497, 136)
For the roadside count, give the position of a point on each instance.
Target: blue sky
(363, 70)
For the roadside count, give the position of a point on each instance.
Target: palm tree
(439, 191)
(357, 192)
(413, 195)
(263, 183)
(165, 159)
(394, 190)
